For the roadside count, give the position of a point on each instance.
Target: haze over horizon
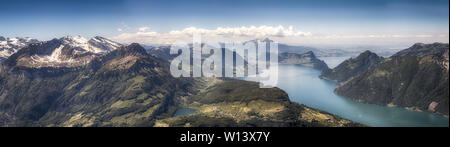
(327, 23)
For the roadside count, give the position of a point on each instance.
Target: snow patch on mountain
(9, 46)
(73, 51)
(97, 45)
(54, 57)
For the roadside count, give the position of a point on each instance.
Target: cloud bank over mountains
(146, 35)
(222, 34)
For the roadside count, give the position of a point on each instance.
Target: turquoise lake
(184, 111)
(304, 86)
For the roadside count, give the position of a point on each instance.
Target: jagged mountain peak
(267, 40)
(76, 38)
(418, 46)
(75, 41)
(368, 54)
(67, 51)
(130, 58)
(134, 49)
(104, 40)
(9, 46)
(352, 67)
(100, 38)
(311, 54)
(97, 44)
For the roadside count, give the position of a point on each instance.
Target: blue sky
(46, 19)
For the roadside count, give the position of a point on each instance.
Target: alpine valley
(73, 81)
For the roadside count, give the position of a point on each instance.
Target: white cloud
(119, 30)
(443, 35)
(220, 34)
(372, 36)
(281, 34)
(143, 29)
(252, 31)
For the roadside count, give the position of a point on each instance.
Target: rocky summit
(352, 67)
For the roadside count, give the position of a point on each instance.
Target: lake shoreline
(386, 105)
(304, 86)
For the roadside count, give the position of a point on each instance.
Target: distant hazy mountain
(9, 46)
(284, 48)
(162, 52)
(416, 78)
(67, 51)
(307, 59)
(298, 49)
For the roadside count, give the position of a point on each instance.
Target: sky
(308, 22)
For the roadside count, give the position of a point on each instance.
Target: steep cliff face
(352, 67)
(307, 59)
(416, 77)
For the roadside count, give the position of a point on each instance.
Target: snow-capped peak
(97, 45)
(9, 46)
(69, 51)
(104, 44)
(65, 51)
(74, 40)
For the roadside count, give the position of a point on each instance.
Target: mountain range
(307, 59)
(415, 78)
(67, 51)
(73, 81)
(9, 46)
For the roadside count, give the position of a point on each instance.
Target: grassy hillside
(416, 78)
